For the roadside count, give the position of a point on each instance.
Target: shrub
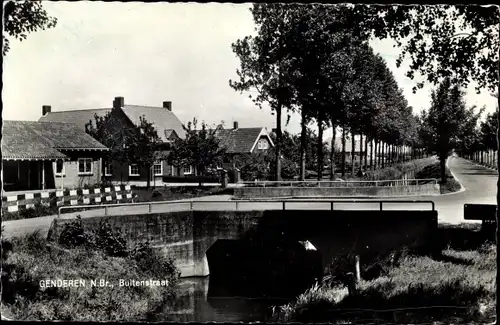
(154, 264)
(34, 260)
(465, 279)
(109, 240)
(104, 237)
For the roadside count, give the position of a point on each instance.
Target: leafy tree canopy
(200, 148)
(24, 17)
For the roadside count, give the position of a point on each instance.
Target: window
(188, 170)
(262, 144)
(108, 168)
(59, 168)
(158, 169)
(84, 166)
(133, 170)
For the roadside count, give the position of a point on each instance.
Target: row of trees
(479, 143)
(311, 60)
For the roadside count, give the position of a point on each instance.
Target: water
(246, 280)
(195, 302)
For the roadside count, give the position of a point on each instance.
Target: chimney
(235, 125)
(119, 102)
(167, 105)
(45, 109)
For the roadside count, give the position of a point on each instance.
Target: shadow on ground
(465, 237)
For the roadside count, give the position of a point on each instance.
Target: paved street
(479, 183)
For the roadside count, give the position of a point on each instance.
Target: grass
(433, 171)
(38, 211)
(33, 259)
(176, 193)
(458, 286)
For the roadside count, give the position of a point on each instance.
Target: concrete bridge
(189, 234)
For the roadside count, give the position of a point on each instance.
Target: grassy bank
(393, 172)
(434, 171)
(83, 256)
(177, 193)
(456, 287)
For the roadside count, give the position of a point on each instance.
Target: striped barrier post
(67, 197)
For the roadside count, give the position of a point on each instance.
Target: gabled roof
(78, 117)
(43, 140)
(170, 133)
(162, 118)
(240, 140)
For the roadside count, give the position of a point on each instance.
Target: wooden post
(351, 283)
(63, 174)
(29, 174)
(358, 269)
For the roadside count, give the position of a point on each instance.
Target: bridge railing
(242, 205)
(311, 183)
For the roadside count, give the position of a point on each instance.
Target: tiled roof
(239, 140)
(162, 118)
(78, 117)
(42, 140)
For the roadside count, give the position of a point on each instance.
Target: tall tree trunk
(366, 153)
(391, 148)
(303, 135)
(148, 182)
(388, 155)
(353, 153)
(343, 150)
(279, 141)
(442, 167)
(320, 148)
(371, 153)
(332, 153)
(361, 151)
(378, 151)
(383, 155)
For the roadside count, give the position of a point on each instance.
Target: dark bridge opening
(262, 268)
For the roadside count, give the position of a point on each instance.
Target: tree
(201, 148)
(488, 130)
(445, 118)
(253, 166)
(22, 18)
(137, 145)
(114, 139)
(143, 146)
(470, 135)
(264, 61)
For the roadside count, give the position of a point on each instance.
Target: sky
(149, 53)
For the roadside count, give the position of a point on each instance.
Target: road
(479, 187)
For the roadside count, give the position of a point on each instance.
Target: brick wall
(73, 179)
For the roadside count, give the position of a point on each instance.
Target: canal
(247, 278)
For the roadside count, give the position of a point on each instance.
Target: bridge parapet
(334, 230)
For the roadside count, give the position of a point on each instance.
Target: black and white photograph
(251, 162)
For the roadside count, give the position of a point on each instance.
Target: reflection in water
(244, 283)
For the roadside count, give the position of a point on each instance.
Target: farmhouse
(127, 117)
(48, 155)
(239, 141)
